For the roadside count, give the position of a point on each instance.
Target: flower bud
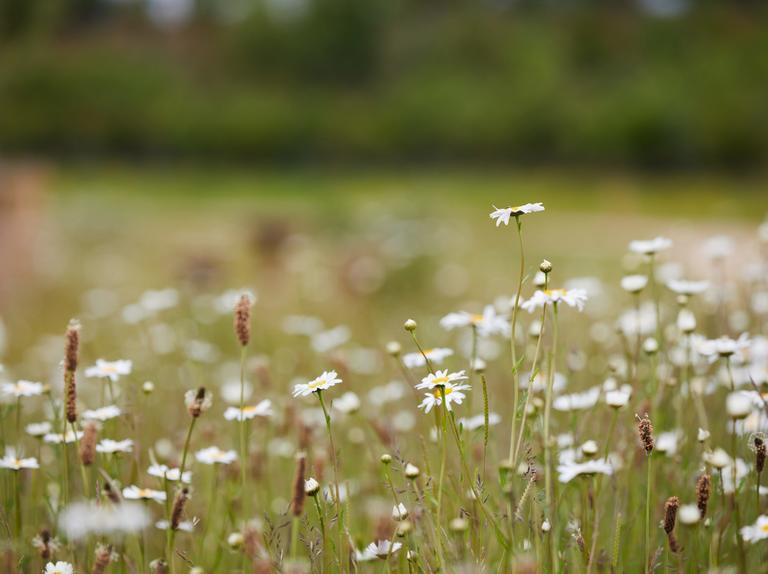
(410, 325)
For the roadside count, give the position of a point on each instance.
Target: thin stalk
(512, 345)
(335, 463)
(547, 416)
(648, 518)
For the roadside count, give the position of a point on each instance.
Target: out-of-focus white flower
(718, 458)
(631, 321)
(214, 455)
(441, 379)
(83, 518)
(135, 493)
(347, 403)
(666, 442)
(387, 393)
(23, 389)
(546, 526)
(478, 421)
(487, 324)
(399, 512)
(738, 405)
(58, 438)
(102, 413)
(689, 514)
(411, 471)
(503, 214)
(569, 471)
(172, 474)
(111, 370)
(59, 568)
(577, 401)
(13, 462)
(617, 399)
(540, 382)
(723, 347)
(192, 402)
(757, 531)
(38, 429)
(302, 325)
(435, 356)
(109, 446)
(686, 321)
(325, 341)
(634, 283)
(225, 302)
(325, 381)
(453, 394)
(683, 287)
(718, 247)
(702, 435)
(571, 297)
(263, 409)
(184, 525)
(650, 246)
(155, 300)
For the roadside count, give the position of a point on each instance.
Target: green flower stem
(512, 342)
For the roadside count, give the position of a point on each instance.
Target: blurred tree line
(652, 83)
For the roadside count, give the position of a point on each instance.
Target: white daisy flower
(634, 283)
(435, 356)
(325, 381)
(571, 297)
(453, 394)
(135, 493)
(80, 519)
(383, 548)
(103, 413)
(12, 462)
(757, 531)
(667, 442)
(617, 399)
(263, 409)
(109, 446)
(59, 568)
(38, 429)
(683, 287)
(23, 389)
(172, 474)
(570, 470)
(488, 324)
(723, 347)
(650, 246)
(347, 403)
(214, 455)
(502, 215)
(440, 378)
(111, 370)
(58, 438)
(577, 401)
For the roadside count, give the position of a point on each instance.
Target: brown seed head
(702, 493)
(178, 507)
(102, 558)
(110, 492)
(760, 453)
(72, 346)
(88, 444)
(197, 405)
(70, 396)
(243, 320)
(44, 545)
(670, 513)
(297, 505)
(645, 431)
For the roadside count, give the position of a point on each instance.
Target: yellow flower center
(314, 384)
(108, 368)
(249, 409)
(446, 390)
(439, 380)
(476, 318)
(764, 527)
(555, 292)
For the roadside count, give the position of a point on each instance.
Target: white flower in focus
(383, 548)
(571, 297)
(83, 518)
(172, 474)
(440, 378)
(263, 409)
(502, 215)
(109, 446)
(453, 394)
(311, 486)
(135, 493)
(577, 401)
(435, 356)
(38, 429)
(12, 462)
(683, 287)
(650, 246)
(103, 413)
(325, 381)
(757, 531)
(214, 455)
(23, 389)
(634, 283)
(59, 568)
(569, 471)
(347, 403)
(58, 438)
(111, 370)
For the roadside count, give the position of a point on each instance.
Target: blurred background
(341, 156)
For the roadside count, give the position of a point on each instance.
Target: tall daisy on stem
(316, 386)
(503, 216)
